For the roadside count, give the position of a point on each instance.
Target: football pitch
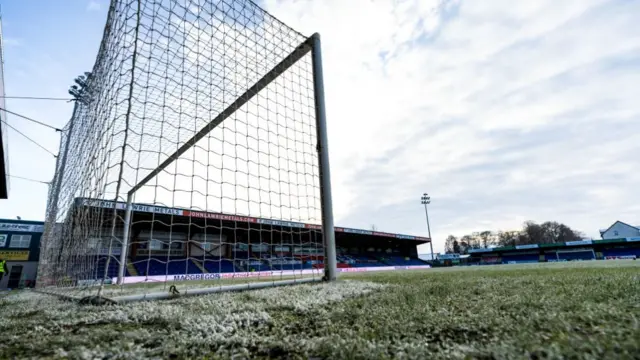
(583, 310)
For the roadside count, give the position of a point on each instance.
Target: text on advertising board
(14, 255)
(21, 227)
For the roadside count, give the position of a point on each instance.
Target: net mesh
(223, 174)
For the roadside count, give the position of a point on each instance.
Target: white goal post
(197, 114)
(575, 251)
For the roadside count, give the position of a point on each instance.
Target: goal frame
(568, 251)
(312, 45)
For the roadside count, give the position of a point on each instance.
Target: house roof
(618, 222)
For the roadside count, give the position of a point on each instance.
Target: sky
(502, 111)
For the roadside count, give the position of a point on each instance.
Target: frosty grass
(588, 310)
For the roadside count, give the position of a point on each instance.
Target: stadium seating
(401, 261)
(520, 258)
(217, 265)
(111, 272)
(160, 266)
(621, 252)
(578, 255)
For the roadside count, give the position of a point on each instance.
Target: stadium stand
(112, 271)
(515, 258)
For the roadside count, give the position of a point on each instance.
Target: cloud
(502, 111)
(94, 6)
(9, 41)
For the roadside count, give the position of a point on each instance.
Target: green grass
(585, 310)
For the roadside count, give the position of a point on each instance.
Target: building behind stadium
(620, 241)
(20, 247)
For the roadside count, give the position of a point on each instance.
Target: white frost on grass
(110, 291)
(219, 321)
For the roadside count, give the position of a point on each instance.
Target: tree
(555, 232)
(485, 238)
(456, 247)
(374, 227)
(532, 234)
(507, 238)
(448, 244)
(466, 243)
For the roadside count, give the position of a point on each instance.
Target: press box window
(20, 241)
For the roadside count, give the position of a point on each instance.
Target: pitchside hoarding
(255, 274)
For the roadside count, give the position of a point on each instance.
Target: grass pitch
(585, 310)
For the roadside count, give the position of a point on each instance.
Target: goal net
(195, 160)
(575, 254)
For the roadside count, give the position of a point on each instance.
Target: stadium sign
(448, 256)
(633, 239)
(192, 277)
(10, 255)
(528, 246)
(280, 223)
(358, 231)
(579, 242)
(108, 204)
(21, 227)
(197, 277)
(471, 251)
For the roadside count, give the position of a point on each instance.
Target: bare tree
(485, 238)
(448, 244)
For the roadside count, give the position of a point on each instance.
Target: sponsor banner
(471, 251)
(620, 257)
(366, 269)
(529, 246)
(579, 242)
(196, 277)
(192, 277)
(412, 267)
(3, 240)
(512, 262)
(21, 227)
(377, 233)
(633, 239)
(14, 255)
(280, 223)
(448, 256)
(208, 215)
(358, 231)
(557, 260)
(107, 204)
